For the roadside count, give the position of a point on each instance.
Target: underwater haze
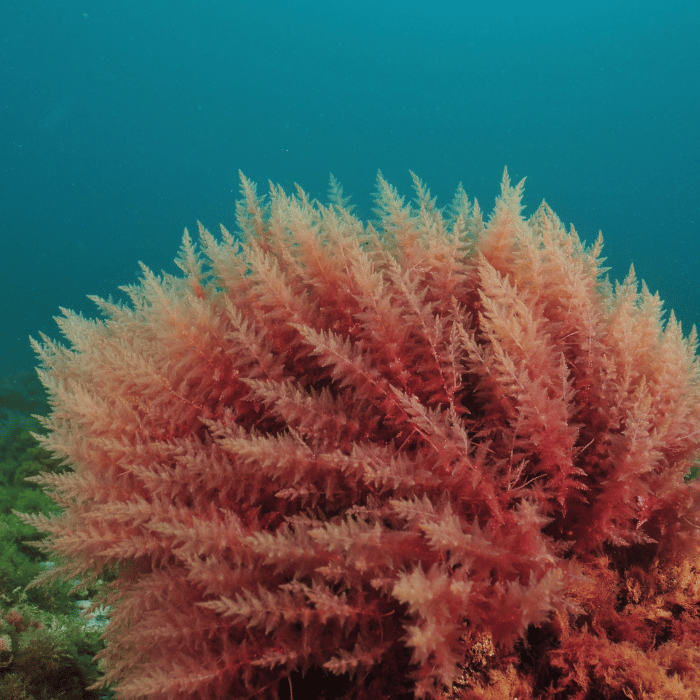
(123, 123)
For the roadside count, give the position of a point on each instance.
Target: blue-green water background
(123, 122)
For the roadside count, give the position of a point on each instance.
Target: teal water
(122, 123)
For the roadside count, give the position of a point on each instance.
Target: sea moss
(46, 656)
(46, 647)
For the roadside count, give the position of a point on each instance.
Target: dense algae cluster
(429, 456)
